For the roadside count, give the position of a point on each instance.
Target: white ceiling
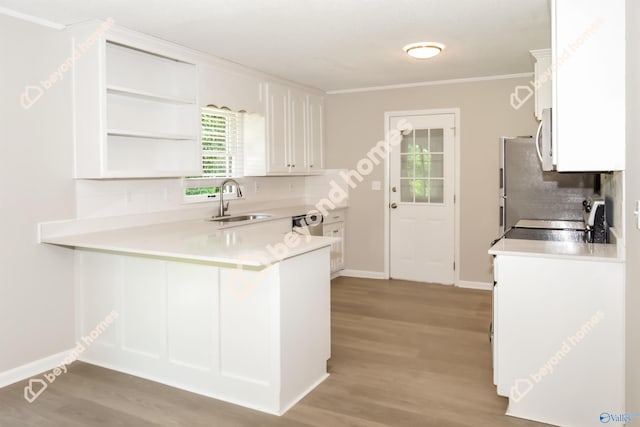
(333, 44)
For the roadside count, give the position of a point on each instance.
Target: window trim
(235, 152)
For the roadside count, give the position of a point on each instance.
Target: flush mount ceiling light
(423, 50)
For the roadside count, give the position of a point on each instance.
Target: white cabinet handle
(538, 133)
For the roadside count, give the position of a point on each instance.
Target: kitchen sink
(241, 218)
(554, 235)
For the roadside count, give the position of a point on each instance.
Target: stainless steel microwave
(544, 141)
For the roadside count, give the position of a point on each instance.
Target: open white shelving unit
(136, 107)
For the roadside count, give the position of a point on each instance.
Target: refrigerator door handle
(538, 134)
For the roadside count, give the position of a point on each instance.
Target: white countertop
(256, 243)
(569, 250)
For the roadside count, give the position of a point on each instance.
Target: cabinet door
(339, 252)
(560, 345)
(224, 88)
(298, 131)
(316, 133)
(494, 323)
(337, 248)
(327, 231)
(588, 45)
(277, 128)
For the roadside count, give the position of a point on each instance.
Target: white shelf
(151, 135)
(120, 90)
(136, 109)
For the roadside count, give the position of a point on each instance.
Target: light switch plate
(376, 185)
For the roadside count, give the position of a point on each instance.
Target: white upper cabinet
(588, 53)
(224, 88)
(135, 106)
(298, 131)
(277, 130)
(294, 134)
(542, 79)
(316, 132)
(137, 102)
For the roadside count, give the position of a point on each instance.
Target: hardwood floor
(403, 354)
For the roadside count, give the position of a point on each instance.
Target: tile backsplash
(104, 198)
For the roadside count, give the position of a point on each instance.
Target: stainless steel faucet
(223, 208)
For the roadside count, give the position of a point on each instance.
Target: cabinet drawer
(335, 216)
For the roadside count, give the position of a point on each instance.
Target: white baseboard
(32, 369)
(363, 274)
(475, 285)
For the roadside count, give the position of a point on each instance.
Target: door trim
(456, 207)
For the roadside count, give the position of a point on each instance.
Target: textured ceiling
(333, 44)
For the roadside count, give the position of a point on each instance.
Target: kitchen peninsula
(237, 313)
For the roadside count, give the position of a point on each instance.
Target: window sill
(209, 198)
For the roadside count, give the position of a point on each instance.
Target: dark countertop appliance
(595, 220)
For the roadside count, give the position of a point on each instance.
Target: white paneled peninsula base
(258, 337)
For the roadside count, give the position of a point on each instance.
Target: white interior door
(421, 185)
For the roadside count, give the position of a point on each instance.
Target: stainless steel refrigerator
(526, 192)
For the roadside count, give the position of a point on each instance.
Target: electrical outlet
(376, 185)
(256, 186)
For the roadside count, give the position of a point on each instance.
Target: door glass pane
(406, 146)
(406, 191)
(422, 166)
(437, 191)
(406, 165)
(422, 140)
(421, 189)
(437, 166)
(437, 138)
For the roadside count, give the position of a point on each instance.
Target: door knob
(393, 189)
(394, 205)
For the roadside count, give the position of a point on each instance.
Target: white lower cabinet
(559, 338)
(334, 227)
(257, 338)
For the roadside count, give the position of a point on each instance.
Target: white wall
(36, 290)
(355, 123)
(632, 190)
